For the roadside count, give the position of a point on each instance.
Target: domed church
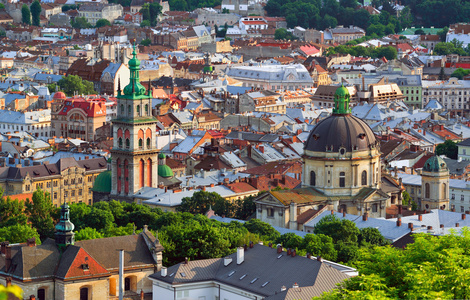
(342, 160)
(341, 171)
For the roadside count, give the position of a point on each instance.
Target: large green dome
(103, 182)
(165, 171)
(435, 164)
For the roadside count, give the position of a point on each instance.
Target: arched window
(342, 179)
(140, 144)
(444, 191)
(312, 178)
(122, 108)
(364, 178)
(84, 293)
(148, 143)
(128, 143)
(120, 142)
(138, 110)
(142, 172)
(146, 109)
(427, 190)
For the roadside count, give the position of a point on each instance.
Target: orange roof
(241, 187)
(84, 265)
(20, 197)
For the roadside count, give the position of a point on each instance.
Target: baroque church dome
(435, 164)
(341, 131)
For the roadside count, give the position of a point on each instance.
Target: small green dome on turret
(165, 171)
(161, 155)
(342, 101)
(103, 182)
(342, 91)
(64, 225)
(435, 164)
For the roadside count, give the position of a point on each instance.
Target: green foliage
(283, 34)
(88, 234)
(189, 5)
(41, 213)
(18, 233)
(460, 73)
(102, 22)
(2, 6)
(225, 10)
(443, 33)
(124, 3)
(387, 52)
(146, 42)
(68, 7)
(406, 198)
(320, 245)
(340, 230)
(36, 12)
(290, 240)
(448, 148)
(201, 201)
(263, 229)
(433, 267)
(80, 23)
(150, 12)
(145, 23)
(25, 15)
(452, 47)
(11, 212)
(371, 236)
(74, 83)
(245, 208)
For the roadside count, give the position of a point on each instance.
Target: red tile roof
(241, 187)
(91, 108)
(84, 265)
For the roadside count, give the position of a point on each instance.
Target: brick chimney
(410, 226)
(365, 216)
(420, 217)
(457, 224)
(31, 242)
(399, 222)
(279, 249)
(261, 149)
(32, 297)
(8, 281)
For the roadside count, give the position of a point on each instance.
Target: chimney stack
(186, 260)
(240, 255)
(464, 216)
(332, 212)
(270, 245)
(410, 226)
(293, 253)
(289, 251)
(420, 218)
(365, 217)
(8, 281)
(399, 222)
(279, 249)
(251, 244)
(31, 242)
(163, 272)
(32, 297)
(319, 258)
(309, 256)
(457, 224)
(7, 258)
(4, 247)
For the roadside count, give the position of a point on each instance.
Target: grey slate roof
(262, 273)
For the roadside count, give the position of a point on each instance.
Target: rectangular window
(270, 212)
(462, 209)
(72, 193)
(462, 197)
(80, 192)
(453, 196)
(55, 195)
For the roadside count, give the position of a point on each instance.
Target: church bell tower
(134, 153)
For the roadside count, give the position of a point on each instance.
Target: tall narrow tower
(134, 155)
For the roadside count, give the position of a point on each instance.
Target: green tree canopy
(102, 23)
(340, 230)
(460, 73)
(25, 15)
(18, 234)
(12, 212)
(146, 42)
(201, 201)
(41, 213)
(36, 12)
(448, 148)
(80, 23)
(88, 233)
(74, 83)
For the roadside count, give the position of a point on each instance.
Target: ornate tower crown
(134, 90)
(342, 101)
(64, 234)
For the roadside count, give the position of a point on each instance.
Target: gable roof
(77, 263)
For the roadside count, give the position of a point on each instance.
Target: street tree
(36, 13)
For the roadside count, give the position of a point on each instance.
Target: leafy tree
(100, 219)
(420, 32)
(74, 83)
(442, 74)
(320, 245)
(225, 10)
(406, 198)
(145, 11)
(433, 267)
(146, 42)
(2, 6)
(340, 230)
(201, 201)
(11, 212)
(79, 213)
(262, 229)
(460, 73)
(36, 12)
(372, 236)
(145, 23)
(443, 33)
(245, 208)
(102, 23)
(88, 234)
(290, 240)
(40, 212)
(448, 148)
(18, 233)
(155, 10)
(68, 7)
(80, 23)
(25, 15)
